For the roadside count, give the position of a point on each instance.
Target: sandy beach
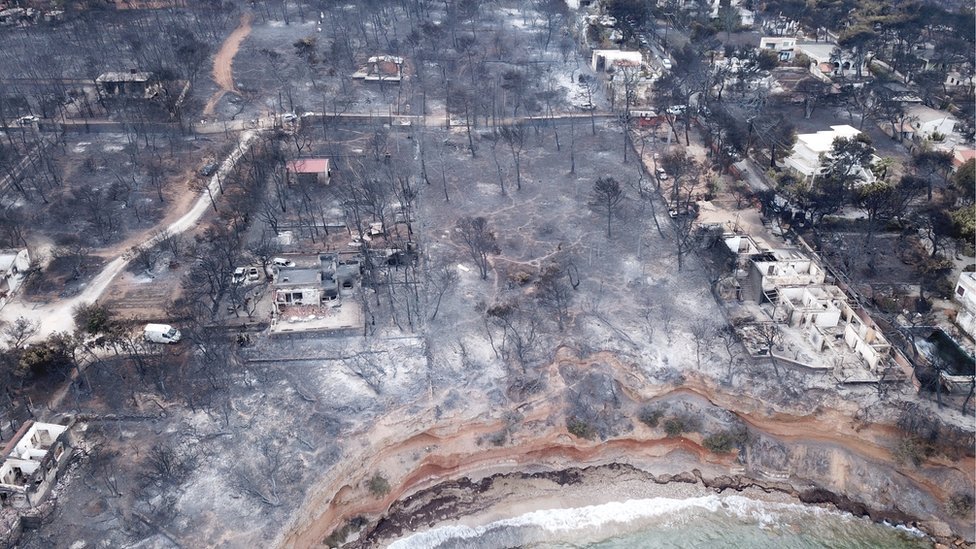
(506, 496)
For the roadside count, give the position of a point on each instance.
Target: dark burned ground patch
(64, 276)
(595, 401)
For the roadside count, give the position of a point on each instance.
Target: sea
(713, 521)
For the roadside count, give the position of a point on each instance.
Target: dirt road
(56, 316)
(223, 66)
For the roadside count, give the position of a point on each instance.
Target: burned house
(794, 292)
(132, 84)
(31, 462)
(315, 293)
(316, 281)
(381, 68)
(771, 270)
(307, 171)
(14, 264)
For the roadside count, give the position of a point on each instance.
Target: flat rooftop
(823, 140)
(297, 276)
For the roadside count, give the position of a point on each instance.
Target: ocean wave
(592, 523)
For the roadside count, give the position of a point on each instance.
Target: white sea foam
(598, 522)
(593, 519)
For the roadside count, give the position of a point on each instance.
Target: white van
(161, 333)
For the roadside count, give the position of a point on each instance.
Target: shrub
(522, 278)
(499, 438)
(580, 428)
(724, 441)
(960, 504)
(912, 450)
(379, 486)
(674, 426)
(650, 417)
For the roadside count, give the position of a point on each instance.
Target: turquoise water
(707, 522)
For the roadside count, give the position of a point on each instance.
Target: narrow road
(223, 65)
(56, 316)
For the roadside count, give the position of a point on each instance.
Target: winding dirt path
(223, 65)
(56, 316)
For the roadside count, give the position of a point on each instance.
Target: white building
(13, 265)
(31, 460)
(827, 60)
(926, 121)
(602, 60)
(781, 45)
(966, 297)
(805, 157)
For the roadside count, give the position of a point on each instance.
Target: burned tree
(554, 290)
(682, 230)
(479, 240)
(515, 137)
(607, 196)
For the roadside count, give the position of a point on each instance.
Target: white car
(666, 63)
(661, 174)
(282, 262)
(161, 333)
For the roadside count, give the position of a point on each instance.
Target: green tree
(847, 157)
(934, 166)
(964, 181)
(94, 319)
(55, 355)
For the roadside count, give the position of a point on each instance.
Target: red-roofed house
(961, 156)
(308, 170)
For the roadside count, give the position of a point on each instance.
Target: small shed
(308, 170)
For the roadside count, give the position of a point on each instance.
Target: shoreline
(469, 503)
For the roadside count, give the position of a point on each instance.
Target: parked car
(661, 174)
(282, 262)
(666, 63)
(161, 333)
(242, 274)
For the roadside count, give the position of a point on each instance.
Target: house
(965, 296)
(300, 286)
(792, 289)
(771, 270)
(781, 45)
(603, 60)
(806, 155)
(13, 265)
(743, 247)
(811, 305)
(381, 68)
(956, 81)
(926, 122)
(307, 171)
(315, 281)
(933, 60)
(133, 84)
(827, 60)
(861, 335)
(961, 156)
(32, 460)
